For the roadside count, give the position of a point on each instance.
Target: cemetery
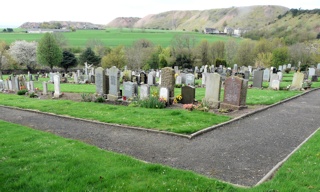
(173, 101)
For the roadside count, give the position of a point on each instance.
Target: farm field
(114, 37)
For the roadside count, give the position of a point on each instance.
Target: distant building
(48, 30)
(211, 31)
(239, 32)
(228, 30)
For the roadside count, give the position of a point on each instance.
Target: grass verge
(173, 120)
(32, 160)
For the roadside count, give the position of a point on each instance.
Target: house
(211, 31)
(228, 30)
(239, 32)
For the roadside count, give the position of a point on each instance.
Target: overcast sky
(16, 12)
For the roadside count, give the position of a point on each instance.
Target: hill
(61, 24)
(250, 17)
(293, 26)
(126, 22)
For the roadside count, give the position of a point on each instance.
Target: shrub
(22, 92)
(86, 97)
(33, 95)
(99, 100)
(152, 102)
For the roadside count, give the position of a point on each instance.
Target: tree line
(52, 51)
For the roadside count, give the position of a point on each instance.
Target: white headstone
(31, 86)
(280, 68)
(45, 88)
(273, 77)
(178, 80)
(213, 89)
(144, 91)
(266, 75)
(280, 74)
(56, 81)
(164, 93)
(275, 84)
(312, 72)
(318, 66)
(289, 66)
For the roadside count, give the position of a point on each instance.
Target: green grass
(115, 37)
(32, 160)
(173, 120)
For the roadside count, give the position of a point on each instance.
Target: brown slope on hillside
(236, 17)
(123, 22)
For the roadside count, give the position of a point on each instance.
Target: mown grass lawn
(32, 160)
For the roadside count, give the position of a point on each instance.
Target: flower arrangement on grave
(177, 99)
(188, 107)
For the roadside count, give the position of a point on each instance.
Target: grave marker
(213, 89)
(114, 84)
(188, 94)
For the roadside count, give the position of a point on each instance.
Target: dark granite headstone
(188, 94)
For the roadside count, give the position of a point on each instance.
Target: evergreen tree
(48, 51)
(90, 57)
(68, 60)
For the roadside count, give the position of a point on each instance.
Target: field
(114, 37)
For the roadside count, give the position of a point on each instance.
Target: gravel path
(241, 152)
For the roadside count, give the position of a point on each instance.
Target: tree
(90, 57)
(182, 49)
(279, 56)
(115, 58)
(264, 60)
(24, 53)
(3, 47)
(203, 52)
(98, 47)
(48, 51)
(61, 40)
(216, 51)
(245, 53)
(231, 49)
(68, 60)
(139, 53)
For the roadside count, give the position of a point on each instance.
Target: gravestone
(100, 81)
(44, 88)
(235, 68)
(280, 68)
(183, 78)
(203, 80)
(10, 85)
(28, 85)
(235, 93)
(164, 94)
(284, 67)
(151, 79)
(258, 79)
(168, 81)
(246, 75)
(176, 69)
(56, 81)
(250, 69)
(190, 79)
(289, 66)
(1, 85)
(78, 72)
(114, 84)
(314, 78)
(312, 72)
(16, 86)
(144, 91)
(75, 78)
(273, 77)
(280, 74)
(318, 72)
(188, 94)
(318, 66)
(143, 78)
(213, 89)
(129, 90)
(266, 75)
(275, 84)
(178, 80)
(31, 86)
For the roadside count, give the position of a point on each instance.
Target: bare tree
(138, 54)
(231, 49)
(24, 53)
